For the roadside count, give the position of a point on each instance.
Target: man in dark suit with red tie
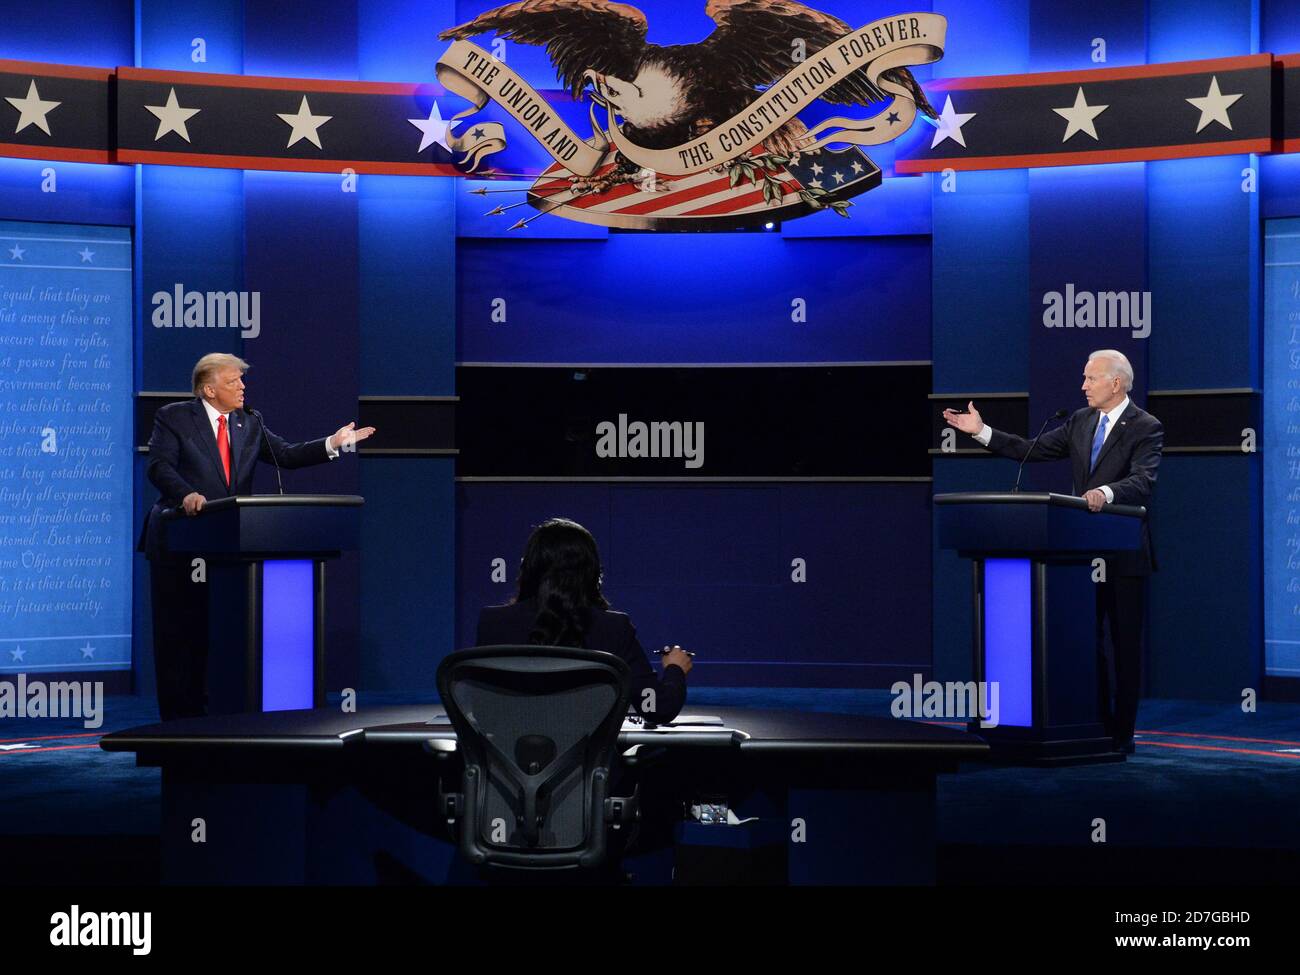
(201, 450)
(1114, 450)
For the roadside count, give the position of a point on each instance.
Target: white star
(433, 129)
(1214, 106)
(838, 176)
(16, 253)
(86, 255)
(172, 118)
(87, 652)
(10, 748)
(857, 167)
(32, 110)
(817, 170)
(1080, 116)
(18, 653)
(816, 184)
(950, 123)
(304, 124)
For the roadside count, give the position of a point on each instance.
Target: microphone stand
(269, 445)
(1021, 470)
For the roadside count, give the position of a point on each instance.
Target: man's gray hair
(212, 363)
(1119, 365)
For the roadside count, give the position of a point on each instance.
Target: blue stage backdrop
(65, 448)
(1281, 448)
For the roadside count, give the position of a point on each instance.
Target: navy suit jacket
(183, 459)
(1127, 462)
(609, 631)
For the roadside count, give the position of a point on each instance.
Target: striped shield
(745, 194)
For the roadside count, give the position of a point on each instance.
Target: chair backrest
(537, 728)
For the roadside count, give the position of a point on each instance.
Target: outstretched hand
(349, 435)
(969, 422)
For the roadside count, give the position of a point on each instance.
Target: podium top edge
(285, 501)
(1037, 497)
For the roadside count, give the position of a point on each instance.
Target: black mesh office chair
(537, 728)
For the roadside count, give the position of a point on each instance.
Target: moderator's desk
(321, 796)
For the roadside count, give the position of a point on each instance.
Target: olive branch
(762, 169)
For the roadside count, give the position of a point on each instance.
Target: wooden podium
(1034, 630)
(264, 558)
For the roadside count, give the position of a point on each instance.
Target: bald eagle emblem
(695, 136)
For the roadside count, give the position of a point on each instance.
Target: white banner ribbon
(892, 42)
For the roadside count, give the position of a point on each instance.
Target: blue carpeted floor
(1208, 783)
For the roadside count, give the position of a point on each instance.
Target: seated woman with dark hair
(559, 603)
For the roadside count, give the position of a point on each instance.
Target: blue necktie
(1097, 441)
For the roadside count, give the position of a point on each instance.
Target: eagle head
(655, 98)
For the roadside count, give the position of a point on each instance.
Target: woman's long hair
(561, 568)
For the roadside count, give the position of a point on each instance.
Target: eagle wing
(754, 42)
(578, 34)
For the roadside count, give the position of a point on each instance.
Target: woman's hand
(677, 656)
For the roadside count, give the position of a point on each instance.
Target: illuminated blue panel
(299, 41)
(407, 252)
(174, 202)
(1279, 185)
(1192, 30)
(605, 291)
(1061, 35)
(288, 635)
(167, 32)
(1281, 602)
(980, 280)
(984, 37)
(1202, 243)
(1280, 26)
(90, 32)
(89, 193)
(1008, 638)
(397, 40)
(65, 448)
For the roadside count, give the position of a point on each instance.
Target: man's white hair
(206, 369)
(1119, 365)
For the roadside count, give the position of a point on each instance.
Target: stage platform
(1207, 798)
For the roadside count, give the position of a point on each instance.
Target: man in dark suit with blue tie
(201, 450)
(1114, 450)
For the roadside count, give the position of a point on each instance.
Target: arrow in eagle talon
(502, 209)
(523, 224)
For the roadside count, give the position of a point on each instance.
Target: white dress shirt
(213, 413)
(986, 434)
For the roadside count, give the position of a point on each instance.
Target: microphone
(1058, 415)
(262, 427)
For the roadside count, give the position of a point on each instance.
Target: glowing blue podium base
(1034, 625)
(265, 561)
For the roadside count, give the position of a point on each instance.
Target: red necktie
(223, 445)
